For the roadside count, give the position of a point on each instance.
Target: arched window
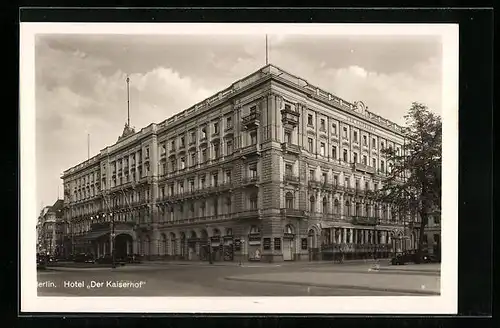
(375, 214)
(202, 208)
(312, 207)
(163, 245)
(347, 208)
(325, 205)
(336, 206)
(367, 210)
(384, 212)
(289, 200)
(358, 209)
(216, 206)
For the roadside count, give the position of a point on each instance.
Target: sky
(80, 83)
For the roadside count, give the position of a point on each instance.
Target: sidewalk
(424, 268)
(417, 284)
(265, 264)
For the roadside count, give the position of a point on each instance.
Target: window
(191, 209)
(365, 160)
(345, 155)
(193, 158)
(334, 152)
(182, 142)
(311, 175)
(229, 122)
(183, 163)
(324, 177)
(334, 128)
(228, 205)
(277, 244)
(347, 208)
(288, 137)
(172, 145)
(253, 138)
(355, 159)
(289, 200)
(253, 201)
(382, 168)
(228, 176)
(253, 171)
(322, 125)
(288, 107)
(193, 137)
(216, 207)
(336, 208)
(366, 186)
(374, 163)
(253, 109)
(172, 165)
(202, 183)
(374, 144)
(216, 127)
(171, 189)
(322, 149)
(312, 202)
(358, 209)
(288, 170)
(203, 132)
(346, 182)
(382, 145)
(215, 179)
(147, 153)
(191, 185)
(310, 144)
(216, 150)
(355, 134)
(309, 119)
(357, 184)
(202, 208)
(325, 205)
(204, 155)
(229, 147)
(365, 141)
(336, 180)
(345, 132)
(375, 186)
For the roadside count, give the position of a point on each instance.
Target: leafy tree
(413, 181)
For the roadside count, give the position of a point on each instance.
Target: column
(339, 238)
(351, 235)
(344, 235)
(355, 237)
(382, 237)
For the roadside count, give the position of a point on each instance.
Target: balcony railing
(250, 150)
(251, 120)
(290, 117)
(250, 180)
(252, 213)
(291, 212)
(290, 178)
(361, 220)
(290, 148)
(315, 184)
(363, 168)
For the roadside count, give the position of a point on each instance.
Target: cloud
(81, 88)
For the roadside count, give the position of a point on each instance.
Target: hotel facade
(270, 169)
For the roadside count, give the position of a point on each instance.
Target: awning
(96, 234)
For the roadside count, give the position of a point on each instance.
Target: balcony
(290, 148)
(291, 179)
(362, 220)
(252, 150)
(363, 168)
(252, 120)
(314, 184)
(290, 118)
(249, 181)
(293, 213)
(248, 214)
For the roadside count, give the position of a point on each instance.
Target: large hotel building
(271, 168)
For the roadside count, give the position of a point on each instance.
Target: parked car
(108, 259)
(134, 258)
(41, 261)
(84, 258)
(403, 258)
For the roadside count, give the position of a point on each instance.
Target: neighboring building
(432, 237)
(51, 230)
(271, 169)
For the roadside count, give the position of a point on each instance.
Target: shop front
(288, 244)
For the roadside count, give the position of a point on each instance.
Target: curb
(412, 291)
(432, 272)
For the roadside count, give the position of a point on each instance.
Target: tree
(413, 181)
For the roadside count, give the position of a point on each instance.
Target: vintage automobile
(41, 261)
(83, 258)
(108, 259)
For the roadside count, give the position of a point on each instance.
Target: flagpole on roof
(267, 52)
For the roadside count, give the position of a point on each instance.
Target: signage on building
(288, 235)
(364, 221)
(254, 237)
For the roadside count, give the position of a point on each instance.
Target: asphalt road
(185, 280)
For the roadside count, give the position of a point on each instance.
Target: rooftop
(356, 108)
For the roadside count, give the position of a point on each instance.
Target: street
(206, 280)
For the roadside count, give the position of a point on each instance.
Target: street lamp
(209, 243)
(112, 240)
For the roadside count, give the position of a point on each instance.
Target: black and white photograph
(229, 167)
